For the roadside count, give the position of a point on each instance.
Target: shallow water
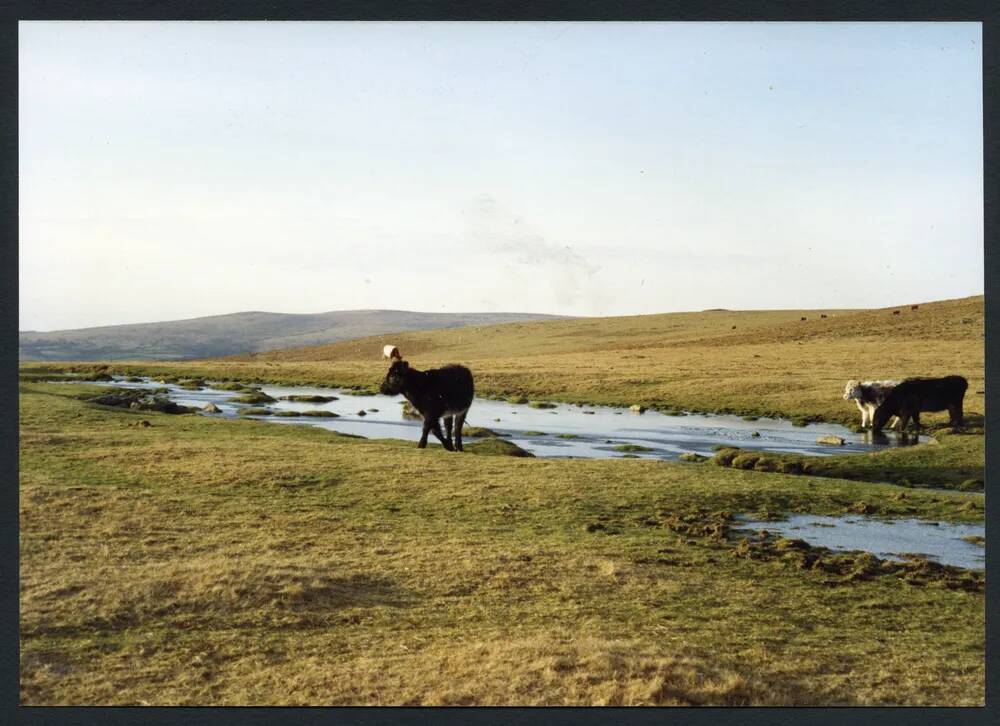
(886, 539)
(564, 431)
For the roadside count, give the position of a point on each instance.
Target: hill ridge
(240, 332)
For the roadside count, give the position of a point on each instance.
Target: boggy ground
(753, 363)
(199, 561)
(946, 458)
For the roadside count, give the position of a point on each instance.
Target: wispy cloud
(512, 242)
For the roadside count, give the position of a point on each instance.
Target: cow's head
(395, 379)
(852, 390)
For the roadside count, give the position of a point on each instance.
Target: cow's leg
(871, 414)
(864, 412)
(447, 427)
(459, 423)
(436, 430)
(423, 434)
(916, 421)
(955, 414)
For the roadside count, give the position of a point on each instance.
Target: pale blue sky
(173, 170)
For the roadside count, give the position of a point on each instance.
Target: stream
(565, 430)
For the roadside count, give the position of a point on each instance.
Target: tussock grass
(495, 447)
(205, 561)
(201, 561)
(950, 460)
(232, 386)
(631, 448)
(253, 397)
(480, 431)
(304, 398)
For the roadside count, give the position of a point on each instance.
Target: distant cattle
(868, 395)
(914, 307)
(916, 395)
(895, 312)
(823, 315)
(802, 318)
(389, 352)
(440, 392)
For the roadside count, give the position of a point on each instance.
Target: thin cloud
(500, 233)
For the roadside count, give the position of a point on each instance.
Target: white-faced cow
(437, 393)
(868, 395)
(389, 352)
(915, 395)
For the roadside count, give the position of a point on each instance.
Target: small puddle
(886, 539)
(566, 430)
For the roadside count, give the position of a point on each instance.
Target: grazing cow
(802, 318)
(869, 396)
(389, 352)
(441, 392)
(895, 312)
(914, 307)
(914, 395)
(823, 315)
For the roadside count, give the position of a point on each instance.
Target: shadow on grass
(238, 599)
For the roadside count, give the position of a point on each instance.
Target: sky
(174, 170)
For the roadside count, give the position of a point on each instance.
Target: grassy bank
(202, 561)
(948, 459)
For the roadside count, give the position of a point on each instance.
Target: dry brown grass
(201, 561)
(773, 363)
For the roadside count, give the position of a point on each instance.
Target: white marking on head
(852, 390)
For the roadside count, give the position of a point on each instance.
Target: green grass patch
(253, 397)
(233, 386)
(631, 448)
(952, 461)
(693, 457)
(495, 447)
(480, 431)
(256, 411)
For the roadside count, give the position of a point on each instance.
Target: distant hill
(222, 335)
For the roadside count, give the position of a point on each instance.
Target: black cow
(914, 395)
(440, 392)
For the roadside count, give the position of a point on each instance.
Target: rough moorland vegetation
(183, 559)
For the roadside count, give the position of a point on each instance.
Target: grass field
(772, 363)
(200, 561)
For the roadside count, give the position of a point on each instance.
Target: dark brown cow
(915, 395)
